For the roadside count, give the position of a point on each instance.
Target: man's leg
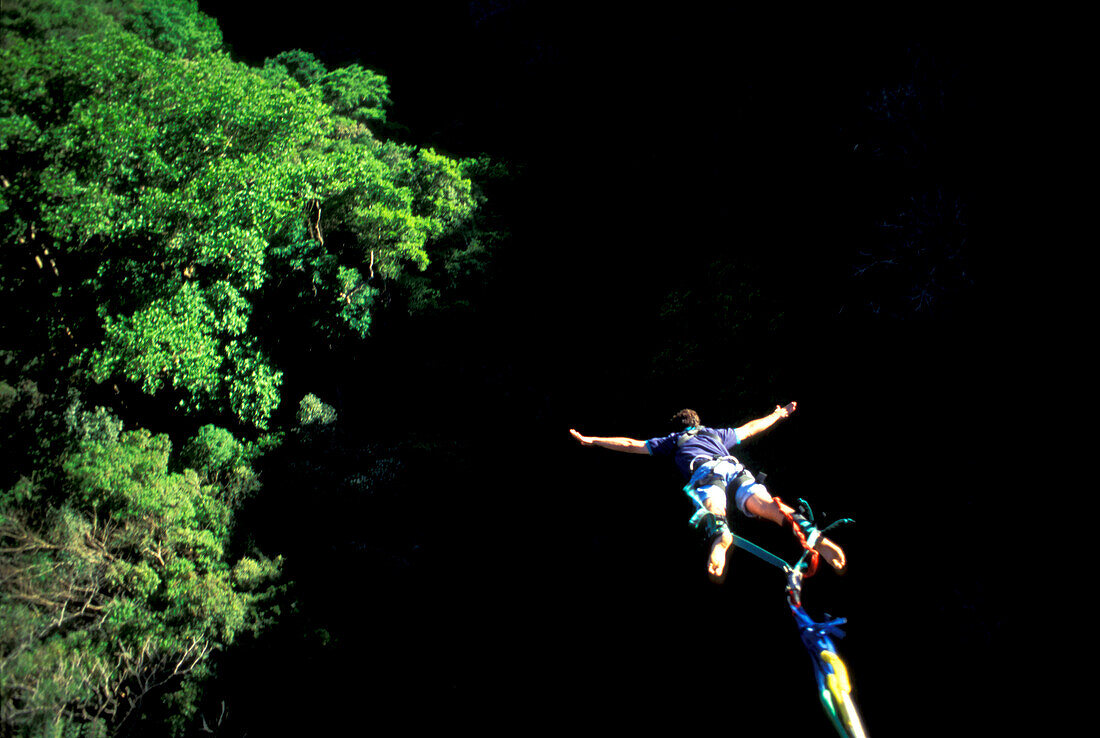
(762, 505)
(716, 566)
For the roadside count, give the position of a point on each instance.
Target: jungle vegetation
(164, 211)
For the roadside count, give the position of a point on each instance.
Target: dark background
(505, 578)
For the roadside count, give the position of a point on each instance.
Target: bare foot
(716, 567)
(832, 554)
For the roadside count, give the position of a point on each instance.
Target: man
(702, 455)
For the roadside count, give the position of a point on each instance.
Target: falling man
(703, 456)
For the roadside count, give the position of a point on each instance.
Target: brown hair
(686, 418)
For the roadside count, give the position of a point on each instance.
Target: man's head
(686, 419)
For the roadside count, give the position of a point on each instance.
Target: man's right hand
(584, 440)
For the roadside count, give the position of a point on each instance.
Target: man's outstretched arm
(629, 445)
(753, 427)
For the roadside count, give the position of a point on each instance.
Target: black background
(515, 581)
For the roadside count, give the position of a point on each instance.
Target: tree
(157, 195)
(114, 573)
(167, 213)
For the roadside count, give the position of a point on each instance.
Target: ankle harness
(712, 525)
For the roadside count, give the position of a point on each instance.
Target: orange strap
(812, 569)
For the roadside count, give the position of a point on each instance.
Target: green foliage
(51, 19)
(171, 26)
(447, 281)
(312, 411)
(356, 93)
(214, 451)
(167, 213)
(352, 92)
(97, 426)
(127, 588)
(221, 459)
(175, 27)
(301, 66)
(29, 430)
(156, 191)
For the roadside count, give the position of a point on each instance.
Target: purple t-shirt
(694, 447)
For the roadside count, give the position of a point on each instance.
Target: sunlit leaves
(254, 384)
(128, 585)
(171, 339)
(351, 91)
(163, 208)
(312, 411)
(356, 93)
(142, 151)
(175, 27)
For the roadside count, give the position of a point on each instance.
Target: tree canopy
(158, 190)
(166, 211)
